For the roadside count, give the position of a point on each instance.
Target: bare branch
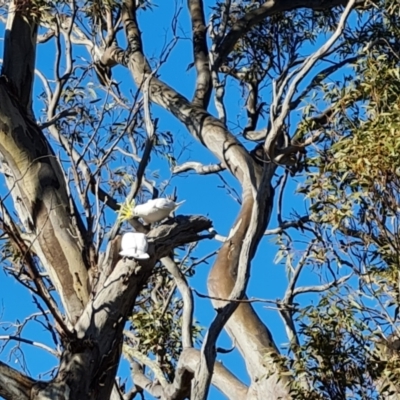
(153, 365)
(142, 381)
(31, 342)
(57, 117)
(301, 72)
(149, 141)
(267, 9)
(321, 288)
(187, 296)
(223, 299)
(14, 235)
(198, 168)
(39, 181)
(208, 353)
(288, 224)
(222, 378)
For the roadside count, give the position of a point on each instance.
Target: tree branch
(266, 9)
(198, 168)
(222, 378)
(301, 72)
(287, 224)
(38, 184)
(200, 53)
(31, 342)
(321, 288)
(20, 53)
(13, 384)
(187, 296)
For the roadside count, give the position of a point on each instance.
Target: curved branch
(187, 296)
(213, 134)
(222, 379)
(208, 130)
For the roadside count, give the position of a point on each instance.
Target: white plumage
(134, 244)
(155, 210)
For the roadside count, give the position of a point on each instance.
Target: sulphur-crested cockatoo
(134, 244)
(155, 210)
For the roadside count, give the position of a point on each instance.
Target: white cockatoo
(134, 244)
(155, 210)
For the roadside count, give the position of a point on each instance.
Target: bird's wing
(164, 204)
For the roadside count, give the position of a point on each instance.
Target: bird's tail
(179, 204)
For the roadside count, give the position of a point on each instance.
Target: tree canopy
(280, 118)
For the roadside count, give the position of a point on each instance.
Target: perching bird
(155, 210)
(134, 244)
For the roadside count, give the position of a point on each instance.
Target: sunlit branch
(45, 37)
(198, 168)
(137, 355)
(321, 288)
(31, 342)
(204, 372)
(300, 73)
(150, 130)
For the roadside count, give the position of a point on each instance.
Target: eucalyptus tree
(77, 144)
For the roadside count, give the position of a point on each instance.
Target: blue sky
(202, 196)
